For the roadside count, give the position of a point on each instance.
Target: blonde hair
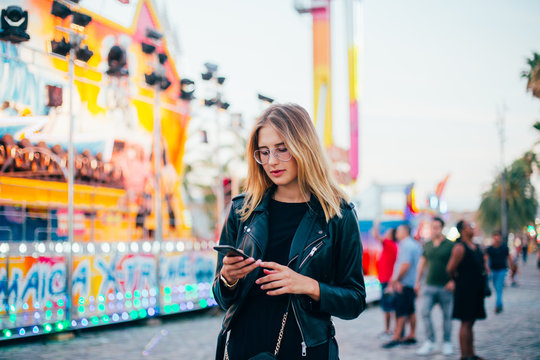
(314, 175)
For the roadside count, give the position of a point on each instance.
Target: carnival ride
(81, 190)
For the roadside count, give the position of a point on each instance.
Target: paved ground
(514, 334)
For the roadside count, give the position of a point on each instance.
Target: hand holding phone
(233, 269)
(229, 250)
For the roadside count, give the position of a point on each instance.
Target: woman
(292, 218)
(466, 266)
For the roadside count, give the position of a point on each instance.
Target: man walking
(498, 258)
(403, 282)
(438, 287)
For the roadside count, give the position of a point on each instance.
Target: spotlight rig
(14, 22)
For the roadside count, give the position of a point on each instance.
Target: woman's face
(282, 173)
(468, 230)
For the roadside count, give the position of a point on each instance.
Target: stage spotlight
(153, 34)
(211, 68)
(60, 10)
(224, 105)
(206, 76)
(265, 98)
(84, 54)
(151, 79)
(221, 80)
(117, 60)
(187, 88)
(165, 83)
(60, 47)
(81, 19)
(14, 23)
(147, 48)
(162, 58)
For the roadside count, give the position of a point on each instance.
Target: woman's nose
(272, 159)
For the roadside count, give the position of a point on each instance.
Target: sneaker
(426, 349)
(447, 348)
(391, 344)
(498, 310)
(409, 341)
(386, 336)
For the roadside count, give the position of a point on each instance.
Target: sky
(434, 76)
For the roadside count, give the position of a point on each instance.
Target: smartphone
(229, 250)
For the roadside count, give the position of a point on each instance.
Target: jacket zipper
(304, 347)
(312, 252)
(314, 241)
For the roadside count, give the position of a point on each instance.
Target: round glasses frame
(258, 155)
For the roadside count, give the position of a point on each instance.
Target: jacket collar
(309, 229)
(314, 205)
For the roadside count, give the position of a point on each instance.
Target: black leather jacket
(330, 253)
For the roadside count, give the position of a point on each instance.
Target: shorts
(387, 299)
(404, 302)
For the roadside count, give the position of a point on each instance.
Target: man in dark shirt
(498, 258)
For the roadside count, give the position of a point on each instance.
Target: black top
(498, 257)
(469, 290)
(257, 326)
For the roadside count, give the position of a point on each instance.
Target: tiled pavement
(514, 334)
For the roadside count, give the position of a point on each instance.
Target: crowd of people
(24, 159)
(453, 274)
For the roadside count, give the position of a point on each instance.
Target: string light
(147, 247)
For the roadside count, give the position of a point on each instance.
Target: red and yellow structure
(322, 74)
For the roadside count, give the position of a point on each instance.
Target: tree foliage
(532, 74)
(521, 201)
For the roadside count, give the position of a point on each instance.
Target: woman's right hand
(235, 267)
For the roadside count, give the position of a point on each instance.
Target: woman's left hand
(280, 279)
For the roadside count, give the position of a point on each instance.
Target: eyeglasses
(280, 152)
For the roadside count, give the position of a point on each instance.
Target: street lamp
(219, 104)
(75, 50)
(158, 79)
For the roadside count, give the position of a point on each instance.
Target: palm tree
(533, 75)
(521, 199)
